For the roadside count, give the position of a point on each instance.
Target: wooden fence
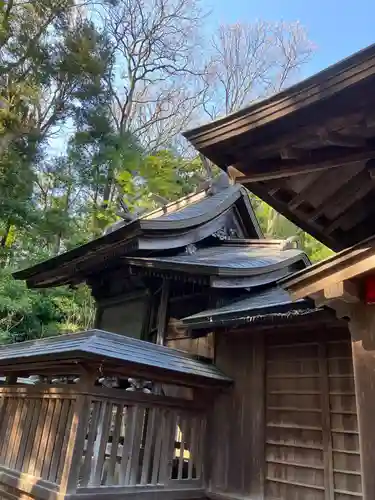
(56, 441)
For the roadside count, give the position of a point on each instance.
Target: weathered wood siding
(236, 430)
(203, 346)
(312, 449)
(288, 431)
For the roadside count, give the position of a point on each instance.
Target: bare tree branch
(250, 61)
(156, 72)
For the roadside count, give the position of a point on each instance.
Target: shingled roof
(169, 228)
(231, 260)
(114, 353)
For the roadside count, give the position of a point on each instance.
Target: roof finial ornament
(127, 215)
(291, 243)
(211, 184)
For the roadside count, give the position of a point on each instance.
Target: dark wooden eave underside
(306, 150)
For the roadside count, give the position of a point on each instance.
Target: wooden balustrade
(59, 440)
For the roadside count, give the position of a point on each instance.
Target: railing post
(77, 436)
(74, 452)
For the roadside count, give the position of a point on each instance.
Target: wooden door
(312, 448)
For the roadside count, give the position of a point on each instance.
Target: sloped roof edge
(347, 264)
(128, 234)
(117, 349)
(271, 301)
(275, 106)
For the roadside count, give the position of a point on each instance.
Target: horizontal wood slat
(312, 449)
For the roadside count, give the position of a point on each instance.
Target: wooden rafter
(339, 139)
(324, 186)
(320, 160)
(342, 199)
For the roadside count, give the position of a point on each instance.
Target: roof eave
(216, 131)
(348, 264)
(246, 316)
(77, 255)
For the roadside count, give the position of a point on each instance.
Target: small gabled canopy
(256, 307)
(232, 260)
(110, 354)
(186, 221)
(308, 151)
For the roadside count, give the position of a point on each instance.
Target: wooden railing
(77, 443)
(35, 430)
(132, 444)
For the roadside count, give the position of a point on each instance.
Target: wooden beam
(338, 139)
(266, 170)
(309, 131)
(330, 272)
(362, 329)
(324, 186)
(162, 313)
(341, 200)
(346, 291)
(234, 173)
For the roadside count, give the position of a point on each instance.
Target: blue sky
(337, 28)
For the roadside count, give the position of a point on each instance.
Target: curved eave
(195, 268)
(93, 249)
(150, 234)
(216, 205)
(76, 270)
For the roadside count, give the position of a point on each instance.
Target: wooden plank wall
(288, 430)
(236, 437)
(203, 346)
(312, 449)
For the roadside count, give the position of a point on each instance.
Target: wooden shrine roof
(174, 226)
(268, 302)
(308, 151)
(113, 354)
(231, 259)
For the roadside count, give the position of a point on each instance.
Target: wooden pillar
(162, 313)
(362, 329)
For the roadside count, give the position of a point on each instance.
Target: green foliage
(275, 225)
(60, 77)
(28, 314)
(162, 173)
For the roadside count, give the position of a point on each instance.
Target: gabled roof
(308, 151)
(114, 353)
(174, 226)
